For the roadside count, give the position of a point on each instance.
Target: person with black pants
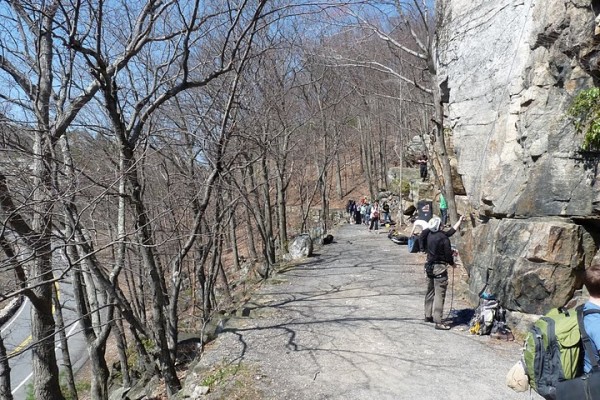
(439, 258)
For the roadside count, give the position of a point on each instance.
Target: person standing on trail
(439, 258)
(423, 167)
(425, 232)
(386, 213)
(363, 212)
(357, 216)
(443, 209)
(349, 205)
(374, 218)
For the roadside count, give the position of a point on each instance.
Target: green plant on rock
(401, 188)
(220, 374)
(585, 111)
(405, 189)
(29, 393)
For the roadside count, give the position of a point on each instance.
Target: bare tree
(5, 389)
(411, 37)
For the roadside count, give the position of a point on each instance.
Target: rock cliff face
(511, 68)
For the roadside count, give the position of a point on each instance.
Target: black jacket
(425, 232)
(438, 246)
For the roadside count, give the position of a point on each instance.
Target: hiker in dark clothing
(357, 216)
(439, 257)
(425, 232)
(422, 167)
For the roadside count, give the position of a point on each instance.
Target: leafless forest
(156, 156)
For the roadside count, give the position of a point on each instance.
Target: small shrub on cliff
(585, 111)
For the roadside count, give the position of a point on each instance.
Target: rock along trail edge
(348, 324)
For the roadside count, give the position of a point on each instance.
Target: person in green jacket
(443, 209)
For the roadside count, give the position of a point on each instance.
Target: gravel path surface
(348, 324)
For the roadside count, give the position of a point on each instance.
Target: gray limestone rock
(530, 265)
(512, 68)
(301, 246)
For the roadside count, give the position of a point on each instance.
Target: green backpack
(553, 351)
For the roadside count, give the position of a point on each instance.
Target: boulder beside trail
(529, 265)
(300, 247)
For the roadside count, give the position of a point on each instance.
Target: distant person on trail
(374, 217)
(356, 214)
(363, 211)
(386, 213)
(423, 167)
(443, 209)
(439, 258)
(350, 207)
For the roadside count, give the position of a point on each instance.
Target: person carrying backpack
(592, 321)
(587, 386)
(561, 360)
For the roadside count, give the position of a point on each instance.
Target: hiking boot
(428, 319)
(442, 327)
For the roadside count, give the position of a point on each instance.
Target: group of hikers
(369, 214)
(433, 240)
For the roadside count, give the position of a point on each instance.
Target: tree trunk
(367, 154)
(248, 180)
(252, 253)
(266, 200)
(121, 341)
(64, 348)
(5, 386)
(324, 201)
(338, 176)
(440, 143)
(159, 302)
(233, 226)
(383, 158)
(45, 371)
(101, 373)
(282, 213)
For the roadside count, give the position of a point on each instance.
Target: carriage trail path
(347, 323)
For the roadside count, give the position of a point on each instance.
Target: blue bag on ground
(413, 244)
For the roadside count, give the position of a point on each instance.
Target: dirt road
(348, 324)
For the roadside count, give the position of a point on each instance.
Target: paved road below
(348, 324)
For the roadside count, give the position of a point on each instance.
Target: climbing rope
(451, 296)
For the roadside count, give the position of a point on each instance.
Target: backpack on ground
(397, 237)
(485, 316)
(553, 350)
(500, 329)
